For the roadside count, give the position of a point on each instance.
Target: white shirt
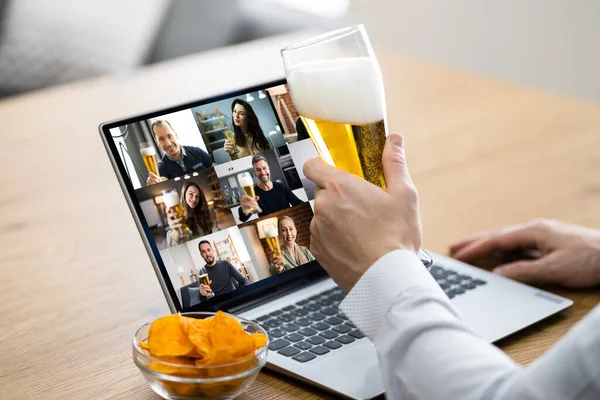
(427, 352)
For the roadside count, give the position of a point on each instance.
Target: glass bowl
(180, 381)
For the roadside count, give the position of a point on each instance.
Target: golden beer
(205, 280)
(229, 135)
(249, 191)
(247, 184)
(150, 158)
(171, 200)
(272, 237)
(356, 148)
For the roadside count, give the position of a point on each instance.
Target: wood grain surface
(76, 281)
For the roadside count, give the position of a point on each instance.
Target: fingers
(531, 272)
(459, 244)
(504, 240)
(394, 163)
(320, 172)
(152, 178)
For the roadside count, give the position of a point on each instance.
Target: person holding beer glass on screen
(197, 216)
(178, 159)
(290, 254)
(267, 196)
(248, 137)
(221, 274)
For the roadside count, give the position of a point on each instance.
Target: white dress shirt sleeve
(427, 352)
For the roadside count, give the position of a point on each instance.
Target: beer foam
(171, 199)
(345, 90)
(148, 151)
(271, 233)
(246, 180)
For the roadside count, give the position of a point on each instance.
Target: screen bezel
(268, 287)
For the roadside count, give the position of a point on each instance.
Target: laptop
(184, 171)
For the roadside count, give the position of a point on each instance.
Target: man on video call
(270, 196)
(178, 159)
(221, 273)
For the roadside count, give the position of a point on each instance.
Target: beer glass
(150, 157)
(247, 184)
(230, 137)
(337, 88)
(171, 200)
(206, 281)
(272, 237)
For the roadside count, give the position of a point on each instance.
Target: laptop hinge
(283, 291)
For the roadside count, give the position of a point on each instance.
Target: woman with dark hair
(198, 217)
(248, 135)
(293, 254)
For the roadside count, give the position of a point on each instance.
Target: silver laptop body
(494, 310)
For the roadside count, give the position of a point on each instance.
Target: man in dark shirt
(178, 159)
(221, 273)
(270, 196)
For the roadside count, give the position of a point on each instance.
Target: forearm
(237, 275)
(424, 347)
(243, 217)
(293, 199)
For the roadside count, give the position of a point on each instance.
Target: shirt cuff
(371, 297)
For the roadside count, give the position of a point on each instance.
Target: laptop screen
(218, 190)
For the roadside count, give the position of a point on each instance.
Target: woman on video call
(198, 217)
(293, 254)
(248, 135)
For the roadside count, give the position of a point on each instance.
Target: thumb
(394, 163)
(531, 272)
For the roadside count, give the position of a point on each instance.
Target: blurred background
(548, 44)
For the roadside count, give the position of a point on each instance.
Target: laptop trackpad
(353, 372)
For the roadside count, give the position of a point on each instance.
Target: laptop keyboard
(452, 282)
(310, 328)
(316, 326)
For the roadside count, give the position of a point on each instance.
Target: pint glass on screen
(272, 237)
(150, 157)
(247, 184)
(336, 85)
(171, 200)
(206, 281)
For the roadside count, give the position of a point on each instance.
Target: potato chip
(166, 338)
(197, 332)
(260, 340)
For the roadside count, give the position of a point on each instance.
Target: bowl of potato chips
(200, 355)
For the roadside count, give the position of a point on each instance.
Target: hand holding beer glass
(229, 145)
(150, 158)
(248, 201)
(205, 289)
(175, 214)
(272, 237)
(337, 87)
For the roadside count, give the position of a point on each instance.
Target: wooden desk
(76, 281)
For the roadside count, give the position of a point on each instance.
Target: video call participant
(293, 254)
(221, 273)
(198, 216)
(178, 159)
(248, 135)
(270, 196)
